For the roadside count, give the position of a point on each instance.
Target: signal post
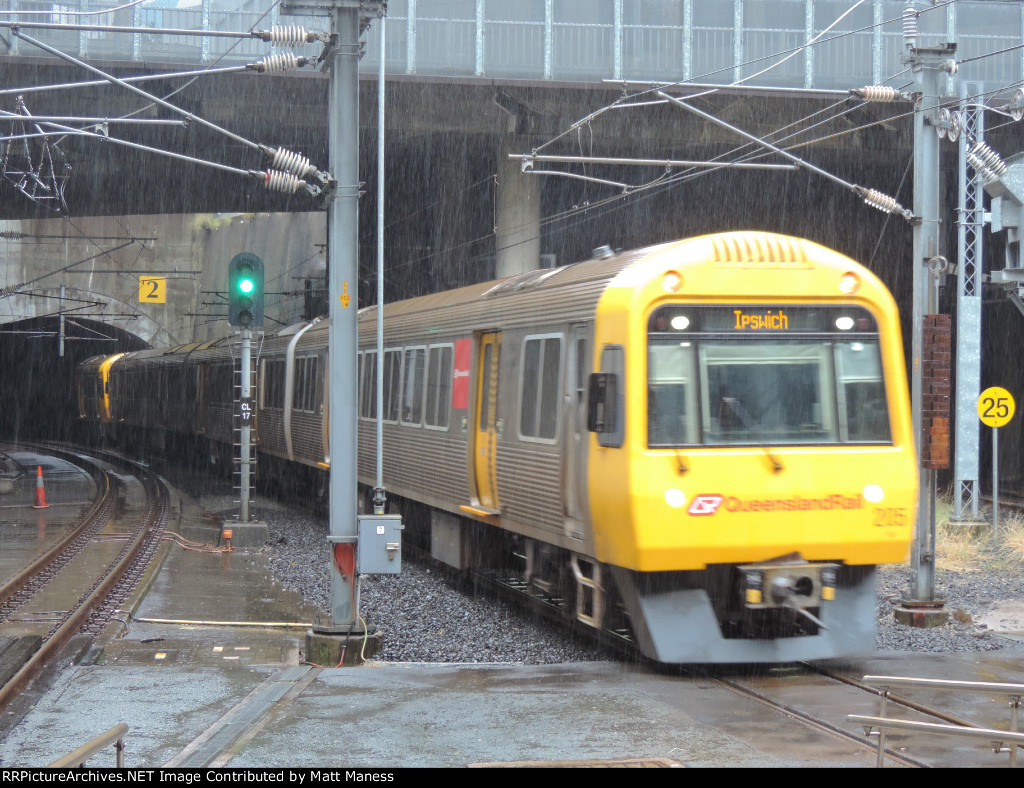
(245, 311)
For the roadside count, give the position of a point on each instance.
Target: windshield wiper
(777, 466)
(747, 421)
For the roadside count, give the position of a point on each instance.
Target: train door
(485, 440)
(577, 367)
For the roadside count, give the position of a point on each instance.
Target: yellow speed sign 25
(995, 406)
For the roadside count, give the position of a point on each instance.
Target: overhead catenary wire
(14, 116)
(682, 177)
(91, 83)
(138, 91)
(870, 196)
(291, 35)
(273, 179)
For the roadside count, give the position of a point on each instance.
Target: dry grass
(1011, 539)
(972, 548)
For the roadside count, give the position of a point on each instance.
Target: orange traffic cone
(40, 491)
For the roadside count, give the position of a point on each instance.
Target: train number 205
(888, 516)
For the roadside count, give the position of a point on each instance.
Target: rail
(77, 759)
(1013, 692)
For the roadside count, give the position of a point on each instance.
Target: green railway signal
(245, 291)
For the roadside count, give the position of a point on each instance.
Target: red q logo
(705, 505)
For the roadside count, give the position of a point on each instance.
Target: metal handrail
(1014, 692)
(78, 758)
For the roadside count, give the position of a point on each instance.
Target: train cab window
(541, 383)
(439, 386)
(863, 414)
(767, 392)
(765, 374)
(412, 386)
(671, 395)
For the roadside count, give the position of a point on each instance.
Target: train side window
(359, 381)
(439, 386)
(368, 386)
(273, 385)
(312, 369)
(222, 384)
(412, 386)
(606, 398)
(541, 383)
(304, 395)
(392, 376)
(299, 386)
(279, 369)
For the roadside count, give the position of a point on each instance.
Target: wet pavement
(209, 671)
(25, 531)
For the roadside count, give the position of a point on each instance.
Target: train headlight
(753, 584)
(828, 584)
(844, 323)
(672, 282)
(849, 283)
(675, 498)
(873, 493)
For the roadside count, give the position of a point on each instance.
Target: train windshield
(764, 375)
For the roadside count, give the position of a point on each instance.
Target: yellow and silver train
(705, 444)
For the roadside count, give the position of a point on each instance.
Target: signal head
(245, 291)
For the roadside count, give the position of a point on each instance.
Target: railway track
(89, 550)
(817, 721)
(821, 698)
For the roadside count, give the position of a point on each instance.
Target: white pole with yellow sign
(995, 409)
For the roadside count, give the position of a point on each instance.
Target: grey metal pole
(60, 343)
(927, 64)
(343, 249)
(926, 161)
(245, 437)
(995, 481)
(379, 502)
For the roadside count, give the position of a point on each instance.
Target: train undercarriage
(783, 610)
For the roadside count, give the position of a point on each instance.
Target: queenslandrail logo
(704, 505)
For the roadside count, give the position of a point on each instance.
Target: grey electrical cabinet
(380, 544)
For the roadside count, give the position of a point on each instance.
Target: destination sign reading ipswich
(760, 318)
